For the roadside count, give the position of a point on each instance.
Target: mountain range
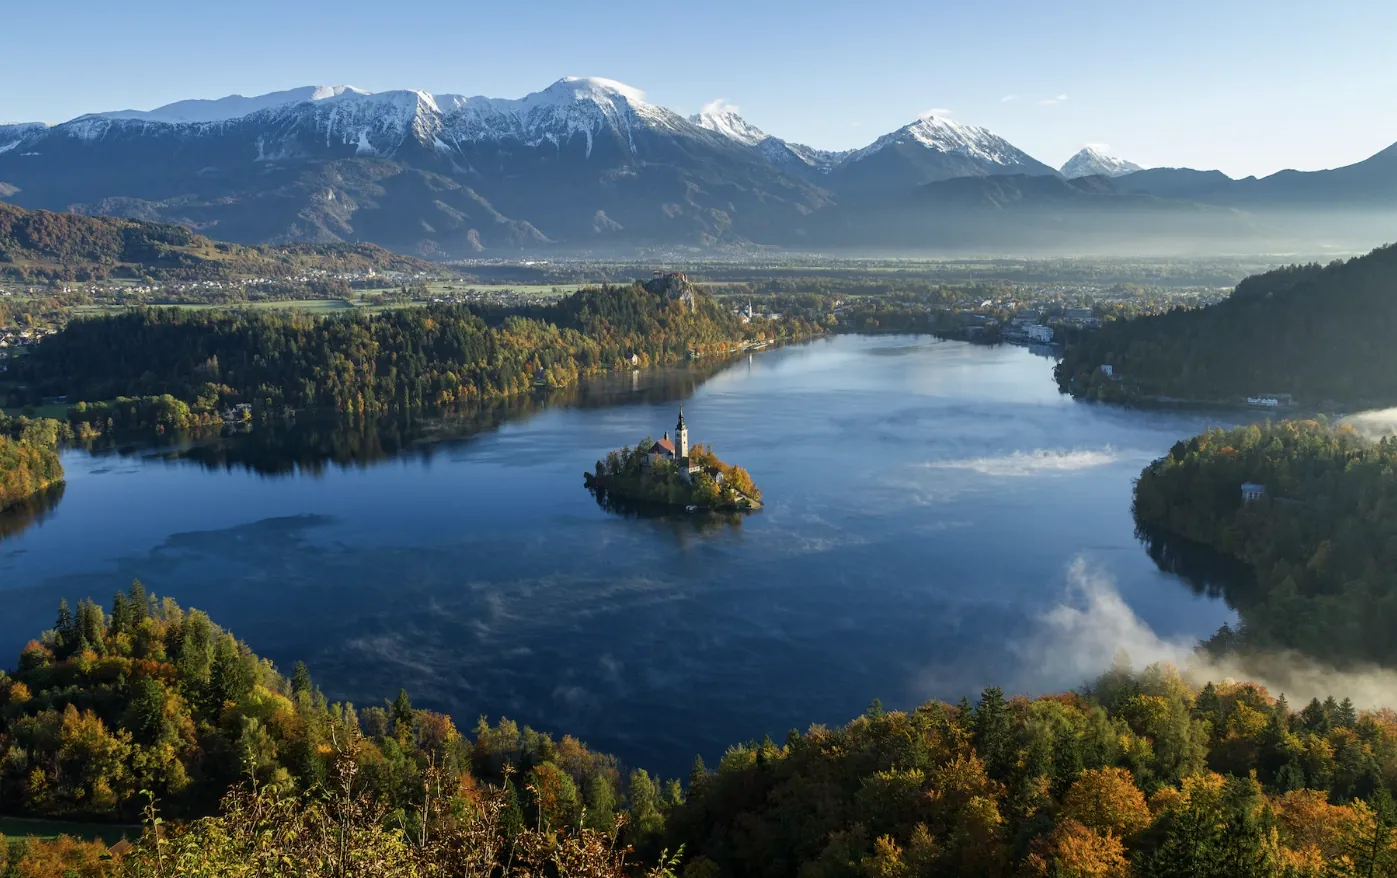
(589, 165)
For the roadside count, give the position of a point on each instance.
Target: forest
(151, 713)
(1318, 333)
(42, 245)
(1321, 540)
(436, 356)
(629, 474)
(29, 463)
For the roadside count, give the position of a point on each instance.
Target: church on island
(676, 451)
(671, 472)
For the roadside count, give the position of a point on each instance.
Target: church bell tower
(681, 436)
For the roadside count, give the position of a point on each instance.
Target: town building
(1252, 491)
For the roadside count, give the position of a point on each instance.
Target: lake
(938, 519)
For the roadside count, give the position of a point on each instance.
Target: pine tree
(121, 615)
(300, 679)
(65, 637)
(698, 776)
(401, 713)
(1345, 715)
(92, 627)
(139, 602)
(991, 732)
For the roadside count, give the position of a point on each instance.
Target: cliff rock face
(672, 286)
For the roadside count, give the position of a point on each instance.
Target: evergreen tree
(991, 732)
(300, 679)
(138, 602)
(65, 637)
(401, 713)
(1345, 715)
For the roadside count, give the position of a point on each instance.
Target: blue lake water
(938, 519)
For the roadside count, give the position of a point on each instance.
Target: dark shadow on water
(32, 510)
(1203, 569)
(311, 444)
(679, 520)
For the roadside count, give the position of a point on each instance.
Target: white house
(1251, 492)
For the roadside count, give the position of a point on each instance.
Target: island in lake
(668, 472)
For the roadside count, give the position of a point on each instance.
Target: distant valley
(588, 166)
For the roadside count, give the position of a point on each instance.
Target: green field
(58, 412)
(458, 286)
(316, 305)
(14, 828)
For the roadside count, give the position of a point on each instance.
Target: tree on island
(638, 474)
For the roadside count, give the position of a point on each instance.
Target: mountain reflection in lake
(924, 501)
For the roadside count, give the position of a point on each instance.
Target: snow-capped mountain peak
(940, 134)
(594, 88)
(1092, 161)
(232, 106)
(721, 117)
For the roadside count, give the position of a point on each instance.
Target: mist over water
(1093, 626)
(938, 519)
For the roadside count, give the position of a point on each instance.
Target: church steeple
(681, 436)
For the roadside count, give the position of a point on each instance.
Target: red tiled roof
(665, 445)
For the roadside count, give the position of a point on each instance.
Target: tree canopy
(1317, 333)
(1321, 538)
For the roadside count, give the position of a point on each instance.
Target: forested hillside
(1318, 333)
(1322, 539)
(29, 463)
(434, 356)
(1137, 774)
(36, 244)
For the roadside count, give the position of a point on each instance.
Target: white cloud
(1008, 98)
(1099, 147)
(718, 106)
(1053, 101)
(936, 111)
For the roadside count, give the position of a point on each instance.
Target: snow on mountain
(948, 136)
(231, 107)
(929, 150)
(1091, 161)
(721, 117)
(571, 106)
(380, 123)
(12, 134)
(285, 123)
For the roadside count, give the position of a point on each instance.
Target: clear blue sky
(1247, 87)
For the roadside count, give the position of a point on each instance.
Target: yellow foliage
(886, 859)
(1107, 801)
(1311, 829)
(19, 693)
(1072, 850)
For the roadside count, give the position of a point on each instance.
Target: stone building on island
(676, 451)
